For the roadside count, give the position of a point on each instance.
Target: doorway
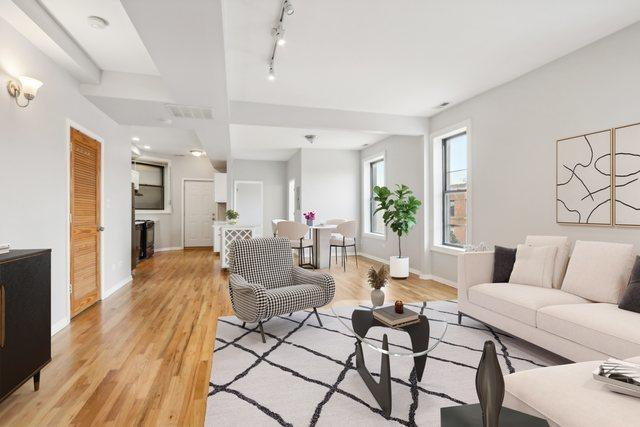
(85, 220)
(199, 209)
(247, 201)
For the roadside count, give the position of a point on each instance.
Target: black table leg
(381, 391)
(419, 333)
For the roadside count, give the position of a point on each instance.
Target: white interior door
(248, 202)
(198, 213)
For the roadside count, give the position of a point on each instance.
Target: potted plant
(377, 280)
(399, 210)
(310, 217)
(232, 216)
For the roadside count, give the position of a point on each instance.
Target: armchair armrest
(302, 276)
(474, 268)
(248, 299)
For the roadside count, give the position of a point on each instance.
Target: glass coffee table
(425, 336)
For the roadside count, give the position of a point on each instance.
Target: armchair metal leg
(244, 323)
(317, 316)
(355, 250)
(330, 248)
(459, 318)
(264, 340)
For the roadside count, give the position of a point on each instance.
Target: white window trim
(167, 186)
(436, 177)
(366, 195)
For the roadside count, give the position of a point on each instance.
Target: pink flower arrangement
(309, 216)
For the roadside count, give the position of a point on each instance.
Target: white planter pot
(399, 267)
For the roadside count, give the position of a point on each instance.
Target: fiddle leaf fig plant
(399, 209)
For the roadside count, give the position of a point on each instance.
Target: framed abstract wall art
(583, 179)
(626, 190)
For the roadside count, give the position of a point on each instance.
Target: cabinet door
(27, 319)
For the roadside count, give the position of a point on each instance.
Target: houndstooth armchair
(264, 282)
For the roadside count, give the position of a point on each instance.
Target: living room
(245, 139)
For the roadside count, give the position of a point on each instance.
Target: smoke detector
(97, 22)
(311, 138)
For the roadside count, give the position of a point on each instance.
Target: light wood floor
(144, 355)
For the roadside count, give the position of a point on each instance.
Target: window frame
(367, 193)
(437, 179)
(166, 183)
(445, 188)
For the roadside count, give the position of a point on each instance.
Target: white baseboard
(176, 248)
(108, 292)
(439, 279)
(59, 325)
(386, 261)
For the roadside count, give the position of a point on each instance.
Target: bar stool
(347, 231)
(296, 232)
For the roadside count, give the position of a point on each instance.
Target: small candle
(399, 307)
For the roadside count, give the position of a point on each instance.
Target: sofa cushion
(568, 396)
(520, 302)
(599, 271)
(602, 327)
(534, 266)
(562, 255)
(631, 297)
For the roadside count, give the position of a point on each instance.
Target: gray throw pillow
(503, 261)
(631, 298)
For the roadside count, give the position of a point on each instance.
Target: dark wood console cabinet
(25, 317)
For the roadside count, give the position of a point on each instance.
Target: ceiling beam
(252, 113)
(34, 22)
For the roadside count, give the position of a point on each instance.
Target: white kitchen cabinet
(220, 187)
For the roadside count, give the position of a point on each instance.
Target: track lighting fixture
(277, 32)
(287, 7)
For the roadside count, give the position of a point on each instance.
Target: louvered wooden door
(85, 221)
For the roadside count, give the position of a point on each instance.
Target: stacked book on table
(389, 317)
(4, 248)
(619, 376)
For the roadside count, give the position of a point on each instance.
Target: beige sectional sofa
(558, 320)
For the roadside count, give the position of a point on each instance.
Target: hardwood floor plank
(144, 356)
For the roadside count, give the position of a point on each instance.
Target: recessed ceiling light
(97, 22)
(197, 153)
(146, 147)
(135, 139)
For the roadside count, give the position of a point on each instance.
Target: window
(376, 175)
(454, 190)
(151, 192)
(373, 175)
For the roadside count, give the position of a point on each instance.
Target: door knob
(100, 228)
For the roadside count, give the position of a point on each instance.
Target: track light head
(288, 8)
(272, 74)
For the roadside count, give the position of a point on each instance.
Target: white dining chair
(348, 233)
(296, 233)
(274, 226)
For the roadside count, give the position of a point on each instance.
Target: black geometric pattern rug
(305, 374)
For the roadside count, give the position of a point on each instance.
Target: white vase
(377, 297)
(399, 267)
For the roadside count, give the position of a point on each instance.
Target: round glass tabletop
(411, 340)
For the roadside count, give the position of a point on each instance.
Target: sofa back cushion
(562, 255)
(599, 271)
(534, 266)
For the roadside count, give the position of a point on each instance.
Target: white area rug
(305, 374)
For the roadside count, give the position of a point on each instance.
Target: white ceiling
(115, 48)
(404, 56)
(277, 143)
(169, 141)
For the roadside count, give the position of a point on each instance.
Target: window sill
(448, 250)
(153, 212)
(367, 235)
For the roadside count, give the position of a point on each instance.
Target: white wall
(34, 160)
(294, 172)
(168, 227)
(515, 127)
(404, 164)
(331, 183)
(274, 186)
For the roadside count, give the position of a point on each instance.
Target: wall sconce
(28, 87)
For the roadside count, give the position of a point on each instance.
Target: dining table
(321, 237)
